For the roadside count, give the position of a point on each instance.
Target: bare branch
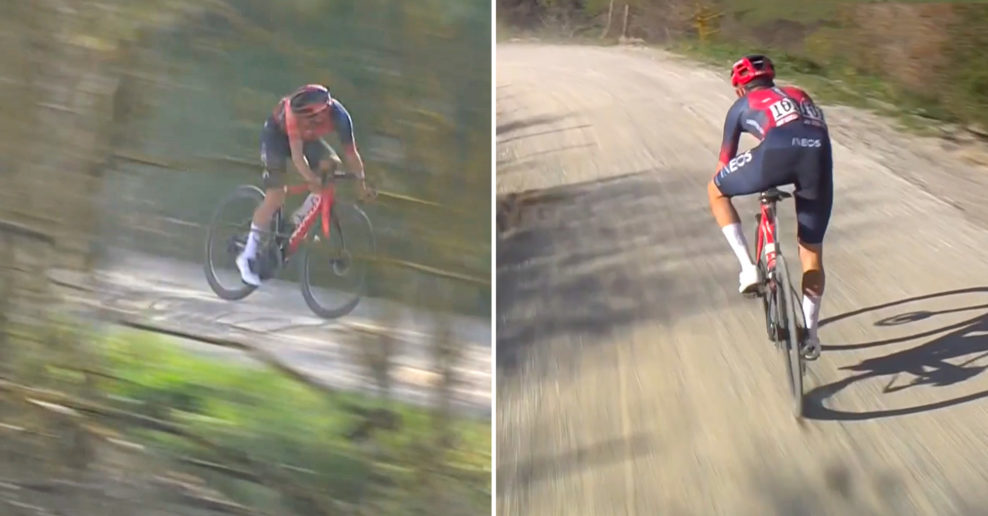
(269, 477)
(255, 352)
(193, 495)
(239, 474)
(15, 228)
(483, 281)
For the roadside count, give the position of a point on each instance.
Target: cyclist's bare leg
(273, 199)
(721, 206)
(325, 167)
(814, 281)
(730, 225)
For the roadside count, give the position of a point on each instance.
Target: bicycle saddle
(774, 195)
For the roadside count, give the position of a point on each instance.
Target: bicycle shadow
(538, 468)
(525, 123)
(933, 363)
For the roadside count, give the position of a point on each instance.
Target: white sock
(811, 313)
(735, 237)
(250, 249)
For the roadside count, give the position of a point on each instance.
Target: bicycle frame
(765, 240)
(320, 209)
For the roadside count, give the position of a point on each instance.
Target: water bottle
(307, 205)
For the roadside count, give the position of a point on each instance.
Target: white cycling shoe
(748, 280)
(247, 275)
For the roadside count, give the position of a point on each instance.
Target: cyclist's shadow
(932, 363)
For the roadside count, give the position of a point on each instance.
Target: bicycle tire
(242, 192)
(794, 355)
(305, 277)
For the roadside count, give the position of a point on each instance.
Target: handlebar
(327, 179)
(338, 175)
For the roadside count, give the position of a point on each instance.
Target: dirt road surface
(633, 379)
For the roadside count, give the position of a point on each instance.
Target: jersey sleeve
(344, 125)
(732, 130)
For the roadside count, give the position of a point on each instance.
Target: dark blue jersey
(761, 110)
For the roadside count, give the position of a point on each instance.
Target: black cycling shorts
(276, 153)
(801, 157)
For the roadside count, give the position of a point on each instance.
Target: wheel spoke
(222, 247)
(334, 271)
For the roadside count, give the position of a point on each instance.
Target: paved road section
(632, 379)
(173, 294)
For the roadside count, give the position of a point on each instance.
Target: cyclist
(794, 149)
(295, 130)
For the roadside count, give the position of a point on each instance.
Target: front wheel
(225, 239)
(334, 273)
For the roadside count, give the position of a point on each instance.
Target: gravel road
(632, 378)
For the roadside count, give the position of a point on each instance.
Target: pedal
(268, 264)
(811, 352)
(754, 291)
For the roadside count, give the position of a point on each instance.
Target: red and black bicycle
(780, 300)
(345, 241)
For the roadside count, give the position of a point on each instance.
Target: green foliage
(828, 45)
(967, 84)
(280, 421)
(756, 12)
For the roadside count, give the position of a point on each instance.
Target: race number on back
(811, 113)
(784, 111)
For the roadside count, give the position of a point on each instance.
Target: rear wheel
(790, 330)
(334, 273)
(225, 239)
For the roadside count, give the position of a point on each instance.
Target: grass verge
(827, 48)
(835, 84)
(352, 448)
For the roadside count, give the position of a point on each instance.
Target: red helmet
(751, 67)
(310, 100)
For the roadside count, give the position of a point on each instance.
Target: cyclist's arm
(353, 162)
(296, 145)
(344, 128)
(732, 133)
